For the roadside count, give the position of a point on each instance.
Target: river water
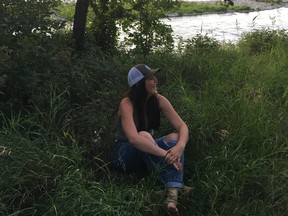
(228, 27)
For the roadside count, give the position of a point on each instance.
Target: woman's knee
(146, 135)
(171, 137)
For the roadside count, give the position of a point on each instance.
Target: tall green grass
(241, 128)
(55, 157)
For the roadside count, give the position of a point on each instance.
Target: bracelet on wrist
(165, 155)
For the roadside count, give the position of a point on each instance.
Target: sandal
(171, 201)
(187, 190)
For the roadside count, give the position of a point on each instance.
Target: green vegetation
(67, 10)
(55, 156)
(199, 8)
(58, 114)
(269, 1)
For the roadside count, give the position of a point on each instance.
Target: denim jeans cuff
(174, 185)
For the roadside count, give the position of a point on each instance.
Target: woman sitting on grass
(138, 116)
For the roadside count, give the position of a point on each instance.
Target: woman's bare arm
(180, 126)
(140, 142)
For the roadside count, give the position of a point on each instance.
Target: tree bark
(79, 27)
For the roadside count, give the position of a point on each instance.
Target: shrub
(261, 40)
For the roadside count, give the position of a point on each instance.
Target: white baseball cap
(138, 72)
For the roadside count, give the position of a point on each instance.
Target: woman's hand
(173, 157)
(174, 154)
(178, 166)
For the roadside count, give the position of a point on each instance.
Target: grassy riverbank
(188, 8)
(185, 8)
(191, 8)
(55, 150)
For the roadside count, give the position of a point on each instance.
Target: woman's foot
(187, 190)
(171, 201)
(172, 208)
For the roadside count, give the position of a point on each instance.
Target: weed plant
(55, 152)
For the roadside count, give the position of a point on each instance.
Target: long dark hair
(147, 111)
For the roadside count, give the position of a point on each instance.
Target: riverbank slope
(254, 5)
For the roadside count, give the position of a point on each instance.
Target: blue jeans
(127, 158)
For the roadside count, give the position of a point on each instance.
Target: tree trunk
(80, 16)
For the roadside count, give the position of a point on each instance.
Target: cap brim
(153, 71)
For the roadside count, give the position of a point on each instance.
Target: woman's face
(151, 85)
